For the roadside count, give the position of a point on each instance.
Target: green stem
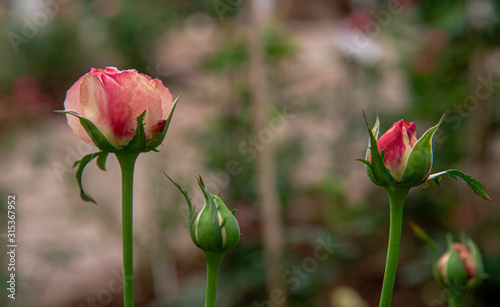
(397, 197)
(213, 263)
(455, 302)
(456, 297)
(127, 162)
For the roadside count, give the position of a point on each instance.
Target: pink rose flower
(397, 144)
(112, 100)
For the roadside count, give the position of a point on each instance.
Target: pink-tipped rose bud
(397, 144)
(112, 100)
(399, 158)
(461, 265)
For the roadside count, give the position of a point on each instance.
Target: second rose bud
(215, 229)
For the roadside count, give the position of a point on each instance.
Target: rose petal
(126, 96)
(166, 98)
(72, 103)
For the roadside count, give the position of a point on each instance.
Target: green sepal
(455, 274)
(376, 169)
(475, 185)
(157, 139)
(422, 235)
(94, 133)
(419, 162)
(230, 224)
(207, 228)
(138, 141)
(101, 161)
(190, 209)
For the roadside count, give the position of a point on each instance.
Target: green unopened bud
(215, 228)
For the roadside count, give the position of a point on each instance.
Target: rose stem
(213, 262)
(397, 197)
(456, 297)
(127, 162)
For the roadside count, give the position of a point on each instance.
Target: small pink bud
(468, 262)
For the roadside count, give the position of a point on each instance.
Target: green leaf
(158, 138)
(94, 133)
(475, 185)
(138, 141)
(419, 162)
(422, 235)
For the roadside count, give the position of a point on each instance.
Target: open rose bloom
(112, 100)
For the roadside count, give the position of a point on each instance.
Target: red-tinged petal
(392, 144)
(467, 259)
(397, 143)
(412, 132)
(129, 94)
(109, 70)
(166, 98)
(158, 127)
(72, 103)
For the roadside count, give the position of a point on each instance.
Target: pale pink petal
(94, 105)
(166, 98)
(72, 103)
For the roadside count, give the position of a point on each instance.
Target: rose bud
(215, 229)
(397, 144)
(104, 108)
(401, 158)
(460, 266)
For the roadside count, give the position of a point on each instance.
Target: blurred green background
(325, 62)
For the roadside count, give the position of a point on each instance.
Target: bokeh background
(312, 68)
